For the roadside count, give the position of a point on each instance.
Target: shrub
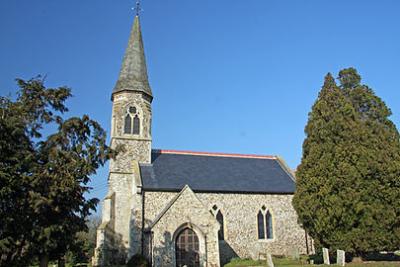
(137, 261)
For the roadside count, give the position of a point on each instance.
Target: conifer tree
(347, 193)
(327, 169)
(381, 170)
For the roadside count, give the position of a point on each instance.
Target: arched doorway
(187, 249)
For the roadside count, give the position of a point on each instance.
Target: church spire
(133, 74)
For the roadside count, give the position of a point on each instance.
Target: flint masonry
(180, 208)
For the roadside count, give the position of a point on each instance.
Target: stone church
(184, 208)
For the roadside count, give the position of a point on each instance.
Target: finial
(137, 8)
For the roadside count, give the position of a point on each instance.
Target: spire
(133, 74)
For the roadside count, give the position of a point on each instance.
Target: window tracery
(132, 121)
(220, 218)
(265, 227)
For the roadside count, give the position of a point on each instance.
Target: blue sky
(227, 76)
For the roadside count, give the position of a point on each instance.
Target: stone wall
(186, 211)
(240, 222)
(137, 147)
(124, 221)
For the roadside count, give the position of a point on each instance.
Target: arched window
(132, 121)
(128, 124)
(136, 125)
(268, 219)
(265, 224)
(220, 219)
(260, 223)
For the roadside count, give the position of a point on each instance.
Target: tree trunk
(61, 262)
(44, 261)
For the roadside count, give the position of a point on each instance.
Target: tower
(119, 236)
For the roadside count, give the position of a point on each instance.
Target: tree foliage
(348, 182)
(43, 180)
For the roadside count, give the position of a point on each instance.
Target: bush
(137, 261)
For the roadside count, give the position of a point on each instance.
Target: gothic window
(132, 121)
(128, 124)
(260, 223)
(136, 125)
(220, 218)
(132, 110)
(265, 224)
(268, 219)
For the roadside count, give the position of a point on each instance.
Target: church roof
(216, 172)
(133, 73)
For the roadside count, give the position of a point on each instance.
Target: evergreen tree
(325, 191)
(43, 179)
(347, 193)
(381, 171)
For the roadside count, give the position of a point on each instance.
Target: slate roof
(133, 73)
(214, 172)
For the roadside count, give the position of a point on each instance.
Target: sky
(227, 76)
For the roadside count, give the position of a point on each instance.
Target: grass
(286, 262)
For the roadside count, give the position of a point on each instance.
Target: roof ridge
(213, 154)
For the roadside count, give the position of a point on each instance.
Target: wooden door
(187, 249)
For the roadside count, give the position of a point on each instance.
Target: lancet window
(265, 224)
(220, 218)
(132, 121)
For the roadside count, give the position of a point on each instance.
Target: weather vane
(137, 8)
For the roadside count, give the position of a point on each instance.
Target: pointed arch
(136, 125)
(260, 225)
(128, 124)
(269, 225)
(220, 219)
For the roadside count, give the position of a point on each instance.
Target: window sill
(266, 240)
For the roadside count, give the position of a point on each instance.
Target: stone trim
(213, 154)
(217, 192)
(134, 137)
(202, 241)
(214, 213)
(286, 168)
(169, 205)
(265, 239)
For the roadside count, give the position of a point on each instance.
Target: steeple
(133, 74)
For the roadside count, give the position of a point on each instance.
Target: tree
(85, 242)
(381, 173)
(344, 184)
(43, 179)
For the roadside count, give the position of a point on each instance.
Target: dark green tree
(44, 179)
(340, 197)
(381, 171)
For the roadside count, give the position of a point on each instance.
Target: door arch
(187, 248)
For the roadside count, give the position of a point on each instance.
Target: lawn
(284, 262)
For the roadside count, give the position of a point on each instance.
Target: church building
(184, 208)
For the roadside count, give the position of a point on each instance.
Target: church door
(187, 249)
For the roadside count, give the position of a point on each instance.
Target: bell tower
(132, 97)
(120, 234)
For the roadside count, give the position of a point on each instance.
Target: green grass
(286, 262)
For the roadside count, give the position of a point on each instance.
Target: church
(186, 208)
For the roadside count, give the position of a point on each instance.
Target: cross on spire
(137, 8)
